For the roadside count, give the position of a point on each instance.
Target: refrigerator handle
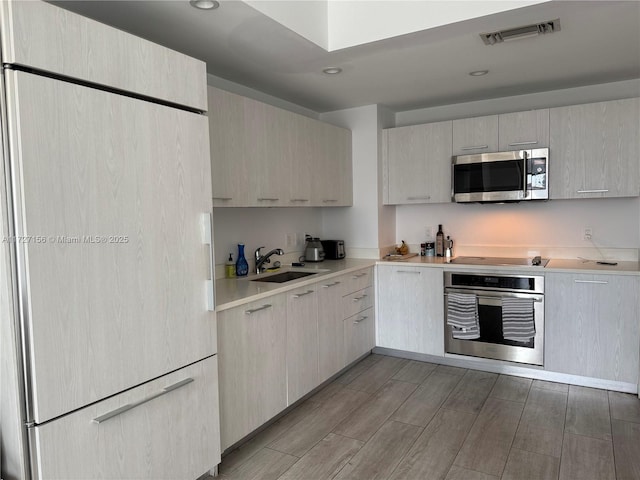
(129, 406)
(207, 223)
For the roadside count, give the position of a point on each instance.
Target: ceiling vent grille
(521, 32)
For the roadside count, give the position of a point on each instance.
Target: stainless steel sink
(283, 277)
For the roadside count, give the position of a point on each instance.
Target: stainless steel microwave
(501, 177)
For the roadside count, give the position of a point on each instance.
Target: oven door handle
(496, 300)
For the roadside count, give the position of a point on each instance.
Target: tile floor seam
(613, 446)
(515, 432)
(564, 430)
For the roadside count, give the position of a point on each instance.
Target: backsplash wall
(555, 224)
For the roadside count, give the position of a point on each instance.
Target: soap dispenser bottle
(230, 267)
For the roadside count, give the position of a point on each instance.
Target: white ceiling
(599, 42)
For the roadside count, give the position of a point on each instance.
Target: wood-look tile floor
(391, 418)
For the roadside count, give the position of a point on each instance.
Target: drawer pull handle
(329, 200)
(602, 190)
(331, 285)
(476, 147)
(223, 199)
(599, 282)
(516, 144)
(267, 199)
(410, 271)
(298, 295)
(364, 317)
(264, 307)
(299, 199)
(358, 275)
(420, 197)
(361, 297)
(129, 406)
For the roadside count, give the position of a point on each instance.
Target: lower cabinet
(330, 329)
(592, 326)
(302, 342)
(410, 309)
(252, 346)
(171, 433)
(359, 335)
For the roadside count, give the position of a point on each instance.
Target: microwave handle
(525, 156)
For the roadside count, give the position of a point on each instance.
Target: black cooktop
(498, 261)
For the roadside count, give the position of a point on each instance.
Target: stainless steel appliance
(501, 177)
(313, 251)
(333, 249)
(490, 289)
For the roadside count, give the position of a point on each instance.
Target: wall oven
(508, 312)
(501, 177)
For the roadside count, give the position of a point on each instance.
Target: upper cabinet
(594, 150)
(417, 164)
(109, 56)
(475, 135)
(263, 156)
(523, 130)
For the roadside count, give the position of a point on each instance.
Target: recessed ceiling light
(478, 73)
(205, 4)
(332, 70)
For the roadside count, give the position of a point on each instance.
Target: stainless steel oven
(488, 291)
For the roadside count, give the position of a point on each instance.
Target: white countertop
(234, 292)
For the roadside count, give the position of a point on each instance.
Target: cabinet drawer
(359, 335)
(173, 432)
(358, 280)
(357, 301)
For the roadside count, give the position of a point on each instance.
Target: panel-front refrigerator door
(111, 192)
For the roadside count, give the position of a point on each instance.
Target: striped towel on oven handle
(462, 315)
(518, 319)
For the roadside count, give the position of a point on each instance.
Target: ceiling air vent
(521, 32)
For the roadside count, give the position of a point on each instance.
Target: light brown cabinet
(594, 150)
(330, 334)
(475, 135)
(263, 156)
(523, 130)
(253, 366)
(591, 325)
(417, 164)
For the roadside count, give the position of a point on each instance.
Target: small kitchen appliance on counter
(333, 249)
(313, 251)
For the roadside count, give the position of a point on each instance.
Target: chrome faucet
(262, 259)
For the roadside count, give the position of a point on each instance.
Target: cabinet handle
(599, 282)
(477, 147)
(423, 197)
(299, 200)
(331, 285)
(298, 295)
(207, 223)
(361, 297)
(602, 190)
(516, 144)
(266, 199)
(410, 271)
(223, 199)
(364, 317)
(129, 406)
(329, 200)
(264, 307)
(358, 275)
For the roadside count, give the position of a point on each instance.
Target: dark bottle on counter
(242, 267)
(440, 242)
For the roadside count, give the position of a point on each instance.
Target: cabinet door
(302, 342)
(268, 154)
(359, 335)
(418, 166)
(591, 325)
(228, 139)
(475, 135)
(119, 197)
(410, 309)
(332, 184)
(303, 144)
(594, 150)
(172, 432)
(253, 366)
(330, 329)
(524, 130)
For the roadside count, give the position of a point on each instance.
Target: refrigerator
(108, 335)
